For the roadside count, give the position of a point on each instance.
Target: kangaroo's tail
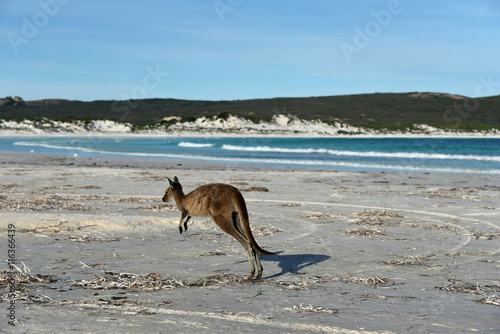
(243, 213)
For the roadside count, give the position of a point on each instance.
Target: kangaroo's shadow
(294, 263)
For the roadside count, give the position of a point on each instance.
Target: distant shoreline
(280, 126)
(233, 135)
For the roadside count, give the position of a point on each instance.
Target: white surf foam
(194, 145)
(402, 155)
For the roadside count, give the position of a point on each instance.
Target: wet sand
(357, 252)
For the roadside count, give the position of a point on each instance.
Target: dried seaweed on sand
(307, 283)
(265, 231)
(258, 189)
(219, 279)
(111, 280)
(372, 281)
(437, 227)
(364, 232)
(4, 186)
(15, 281)
(489, 236)
(309, 308)
(53, 202)
(26, 297)
(289, 205)
(18, 277)
(159, 208)
(468, 287)
(320, 215)
(90, 238)
(377, 221)
(128, 199)
(490, 300)
(375, 213)
(408, 260)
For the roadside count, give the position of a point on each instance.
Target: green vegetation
(377, 111)
(470, 127)
(386, 126)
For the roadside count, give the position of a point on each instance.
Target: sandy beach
(357, 252)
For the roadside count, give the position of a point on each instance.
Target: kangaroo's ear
(170, 181)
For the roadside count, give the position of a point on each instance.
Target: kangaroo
(225, 204)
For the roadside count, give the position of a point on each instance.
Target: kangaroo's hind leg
(225, 222)
(239, 228)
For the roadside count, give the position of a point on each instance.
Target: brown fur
(225, 204)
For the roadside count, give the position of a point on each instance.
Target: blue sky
(242, 49)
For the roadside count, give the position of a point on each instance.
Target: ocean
(433, 155)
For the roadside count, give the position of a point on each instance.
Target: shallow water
(455, 155)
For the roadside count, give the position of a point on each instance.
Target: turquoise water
(455, 155)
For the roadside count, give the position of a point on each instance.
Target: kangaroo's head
(175, 186)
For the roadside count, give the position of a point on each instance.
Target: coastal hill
(378, 110)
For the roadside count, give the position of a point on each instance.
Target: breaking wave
(401, 155)
(450, 158)
(189, 144)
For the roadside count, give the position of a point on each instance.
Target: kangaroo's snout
(166, 197)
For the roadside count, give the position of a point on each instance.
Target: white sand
(430, 250)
